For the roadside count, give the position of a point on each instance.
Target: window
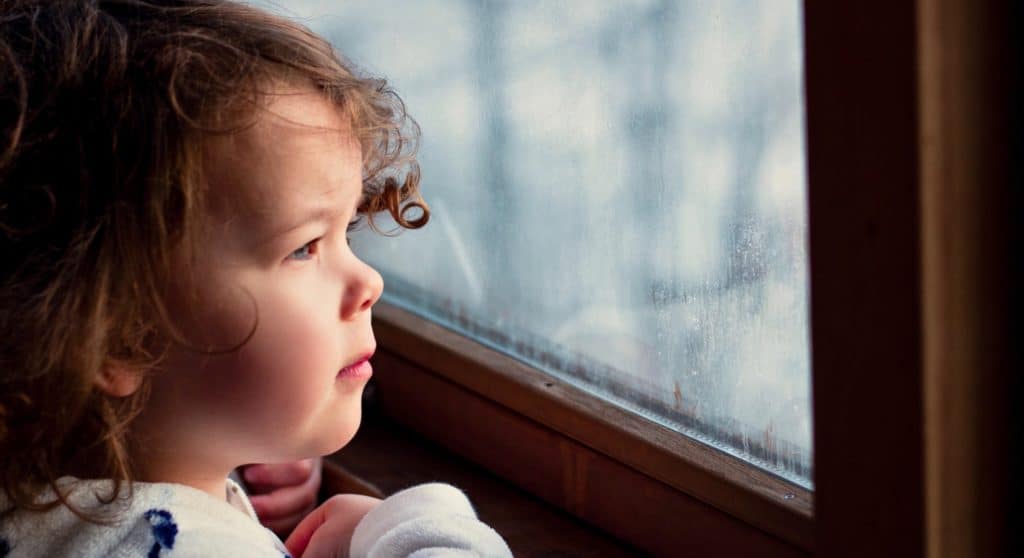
(618, 199)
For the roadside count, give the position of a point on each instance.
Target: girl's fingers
(283, 502)
(303, 532)
(329, 541)
(274, 475)
(327, 532)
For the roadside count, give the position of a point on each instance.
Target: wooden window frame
(891, 212)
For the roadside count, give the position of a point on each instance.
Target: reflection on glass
(618, 194)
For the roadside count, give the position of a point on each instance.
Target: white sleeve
(426, 521)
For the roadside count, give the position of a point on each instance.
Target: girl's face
(275, 252)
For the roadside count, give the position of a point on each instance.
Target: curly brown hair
(104, 109)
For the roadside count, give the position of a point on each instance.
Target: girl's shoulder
(149, 519)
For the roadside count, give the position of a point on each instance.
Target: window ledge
(391, 458)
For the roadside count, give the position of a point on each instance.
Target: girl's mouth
(358, 369)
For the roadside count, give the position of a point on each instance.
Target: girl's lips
(359, 369)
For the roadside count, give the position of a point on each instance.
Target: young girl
(177, 294)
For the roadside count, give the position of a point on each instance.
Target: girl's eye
(306, 252)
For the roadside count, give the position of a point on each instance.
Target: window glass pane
(618, 196)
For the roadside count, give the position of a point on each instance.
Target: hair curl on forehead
(105, 106)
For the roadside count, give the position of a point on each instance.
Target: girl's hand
(283, 493)
(327, 532)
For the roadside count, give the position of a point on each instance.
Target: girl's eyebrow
(315, 214)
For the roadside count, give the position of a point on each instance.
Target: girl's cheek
(296, 331)
(294, 335)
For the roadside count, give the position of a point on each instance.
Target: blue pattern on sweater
(164, 530)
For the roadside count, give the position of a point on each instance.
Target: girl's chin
(345, 433)
(332, 430)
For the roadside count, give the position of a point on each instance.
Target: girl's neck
(153, 462)
(209, 481)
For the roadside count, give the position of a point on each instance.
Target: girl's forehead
(300, 152)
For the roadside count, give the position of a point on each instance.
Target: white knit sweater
(177, 521)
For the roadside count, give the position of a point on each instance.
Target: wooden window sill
(386, 457)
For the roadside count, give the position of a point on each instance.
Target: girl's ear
(118, 381)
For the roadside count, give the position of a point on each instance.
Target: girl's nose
(362, 290)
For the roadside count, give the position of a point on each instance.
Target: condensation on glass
(618, 196)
